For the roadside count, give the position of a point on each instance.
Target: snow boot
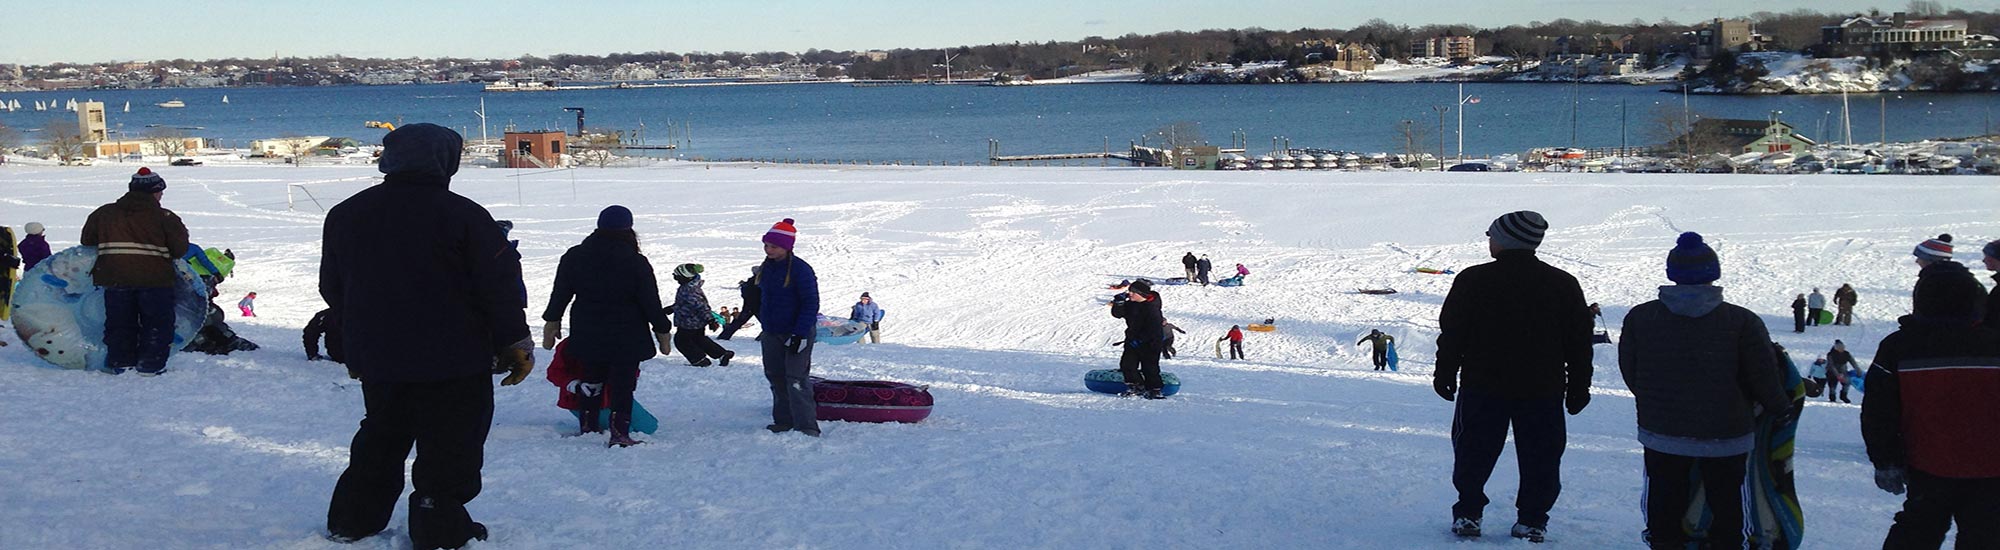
(1132, 392)
(726, 356)
(1532, 533)
(586, 422)
(1154, 394)
(1465, 527)
(622, 440)
(702, 363)
(777, 428)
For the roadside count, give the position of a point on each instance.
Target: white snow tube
(59, 311)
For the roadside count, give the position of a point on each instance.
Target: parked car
(1470, 167)
(185, 162)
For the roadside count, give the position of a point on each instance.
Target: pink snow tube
(871, 401)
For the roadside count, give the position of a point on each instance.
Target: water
(953, 123)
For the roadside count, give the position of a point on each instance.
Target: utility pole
(1441, 110)
(1463, 100)
(482, 119)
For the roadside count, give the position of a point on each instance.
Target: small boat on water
(170, 104)
(191, 127)
(225, 100)
(128, 106)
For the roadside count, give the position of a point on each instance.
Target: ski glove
(1576, 401)
(585, 389)
(797, 345)
(1445, 388)
(1892, 480)
(517, 361)
(666, 343)
(550, 333)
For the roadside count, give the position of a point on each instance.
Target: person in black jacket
(1379, 347)
(1139, 306)
(1799, 313)
(325, 323)
(448, 316)
(1928, 417)
(1518, 332)
(752, 298)
(617, 322)
(1202, 266)
(1838, 362)
(1698, 367)
(1188, 264)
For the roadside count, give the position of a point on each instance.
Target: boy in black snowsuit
(1380, 342)
(1139, 306)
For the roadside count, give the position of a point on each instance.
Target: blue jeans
(1479, 434)
(138, 327)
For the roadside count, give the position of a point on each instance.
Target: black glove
(713, 326)
(1445, 388)
(797, 345)
(1576, 401)
(1893, 480)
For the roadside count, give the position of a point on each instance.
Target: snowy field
(994, 283)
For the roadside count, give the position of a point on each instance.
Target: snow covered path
(993, 280)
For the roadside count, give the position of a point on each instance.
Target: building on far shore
(1456, 48)
(1861, 34)
(1720, 35)
(149, 147)
(286, 146)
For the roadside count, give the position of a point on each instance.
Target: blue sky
(202, 29)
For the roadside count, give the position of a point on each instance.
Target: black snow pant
(736, 324)
(1670, 490)
(1812, 317)
(1798, 320)
(1381, 357)
(446, 421)
(1935, 503)
(1235, 349)
(790, 374)
(1832, 383)
(696, 346)
(138, 328)
(1479, 434)
(620, 380)
(1141, 366)
(1844, 316)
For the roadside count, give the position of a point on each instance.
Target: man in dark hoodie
(432, 331)
(1698, 367)
(1519, 329)
(1145, 332)
(1188, 263)
(1929, 416)
(137, 244)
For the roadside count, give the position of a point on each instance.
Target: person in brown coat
(137, 244)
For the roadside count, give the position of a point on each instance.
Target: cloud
(1095, 22)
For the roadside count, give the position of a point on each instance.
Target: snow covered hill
(994, 284)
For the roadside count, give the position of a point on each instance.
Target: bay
(828, 121)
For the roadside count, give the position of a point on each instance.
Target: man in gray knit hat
(1513, 349)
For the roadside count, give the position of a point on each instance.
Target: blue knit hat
(1692, 262)
(145, 181)
(614, 217)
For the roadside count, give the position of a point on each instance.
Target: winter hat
(1936, 250)
(35, 228)
(782, 235)
(864, 295)
(687, 271)
(422, 149)
(614, 217)
(1692, 262)
(147, 182)
(1142, 286)
(1520, 230)
(1992, 248)
(1946, 290)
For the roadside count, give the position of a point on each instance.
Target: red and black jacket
(1930, 399)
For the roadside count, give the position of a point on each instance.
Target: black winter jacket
(445, 299)
(1144, 323)
(1929, 403)
(617, 308)
(753, 297)
(1517, 328)
(1695, 365)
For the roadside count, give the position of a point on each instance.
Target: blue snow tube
(1113, 382)
(59, 311)
(835, 331)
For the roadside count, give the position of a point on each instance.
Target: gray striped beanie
(1520, 230)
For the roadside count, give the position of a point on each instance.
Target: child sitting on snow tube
(566, 374)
